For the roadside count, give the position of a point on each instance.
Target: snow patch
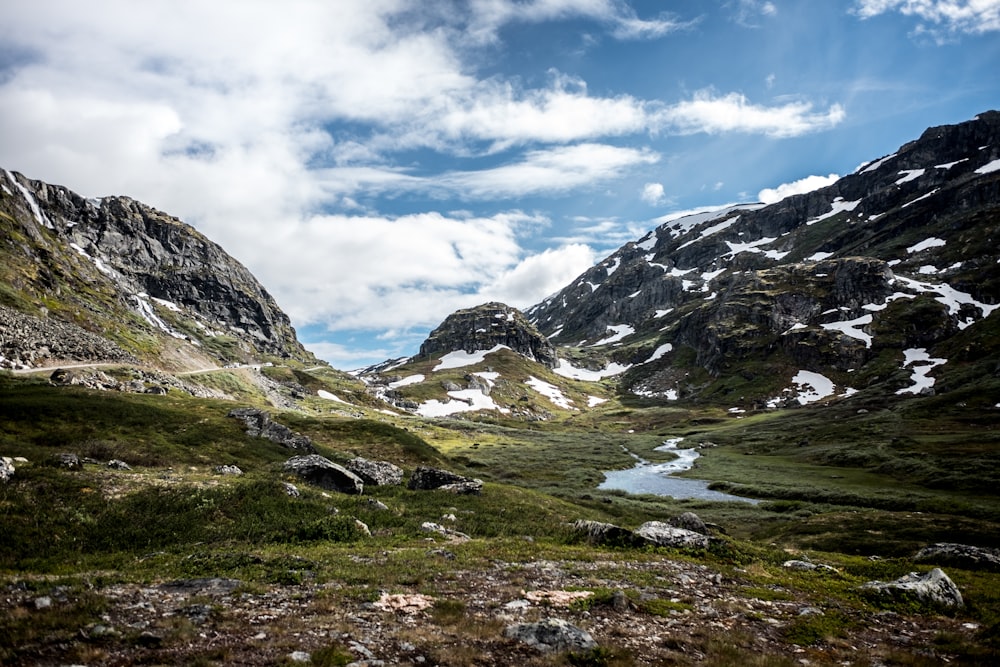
(922, 364)
(818, 256)
(32, 204)
(551, 392)
(875, 164)
(568, 370)
(850, 328)
(408, 380)
(322, 393)
(910, 175)
(949, 165)
(619, 331)
(461, 358)
(837, 206)
(659, 352)
(594, 401)
(925, 244)
(465, 400)
(989, 167)
(660, 313)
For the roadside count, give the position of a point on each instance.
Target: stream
(658, 478)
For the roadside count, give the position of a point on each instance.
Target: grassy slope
(171, 517)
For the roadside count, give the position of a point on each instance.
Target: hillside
(146, 283)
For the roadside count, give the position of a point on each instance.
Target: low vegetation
(87, 555)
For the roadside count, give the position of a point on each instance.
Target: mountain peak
(486, 326)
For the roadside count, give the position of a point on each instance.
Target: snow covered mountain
(882, 286)
(860, 283)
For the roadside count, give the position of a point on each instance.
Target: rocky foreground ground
(487, 617)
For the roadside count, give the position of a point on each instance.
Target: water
(658, 478)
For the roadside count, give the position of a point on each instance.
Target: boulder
(321, 471)
(933, 588)
(690, 521)
(427, 479)
(598, 532)
(259, 425)
(376, 473)
(6, 469)
(960, 555)
(118, 464)
(664, 535)
(227, 470)
(552, 634)
(68, 461)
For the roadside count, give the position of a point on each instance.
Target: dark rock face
(483, 328)
(259, 425)
(324, 473)
(429, 479)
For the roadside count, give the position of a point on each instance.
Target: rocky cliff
(134, 275)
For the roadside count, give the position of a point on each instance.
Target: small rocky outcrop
(663, 534)
(429, 479)
(227, 470)
(68, 461)
(960, 555)
(376, 473)
(934, 588)
(324, 473)
(483, 328)
(552, 634)
(6, 469)
(259, 425)
(598, 532)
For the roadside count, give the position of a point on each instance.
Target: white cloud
(746, 12)
(538, 276)
(953, 16)
(801, 186)
(708, 112)
(652, 193)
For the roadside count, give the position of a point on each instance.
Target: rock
(376, 473)
(932, 588)
(597, 532)
(6, 470)
(118, 464)
(432, 527)
(68, 461)
(799, 565)
(259, 425)
(960, 555)
(690, 521)
(427, 479)
(227, 470)
(665, 535)
(553, 634)
(299, 656)
(321, 471)
(291, 489)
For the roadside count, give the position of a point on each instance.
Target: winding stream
(658, 478)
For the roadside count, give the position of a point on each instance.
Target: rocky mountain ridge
(127, 272)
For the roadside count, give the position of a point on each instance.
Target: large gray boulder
(934, 588)
(690, 521)
(376, 473)
(662, 534)
(259, 425)
(552, 634)
(428, 479)
(960, 555)
(322, 472)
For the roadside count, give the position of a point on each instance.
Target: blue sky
(379, 164)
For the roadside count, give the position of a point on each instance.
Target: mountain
(750, 303)
(128, 281)
(885, 283)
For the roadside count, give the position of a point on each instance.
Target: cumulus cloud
(286, 133)
(652, 193)
(710, 112)
(951, 16)
(801, 186)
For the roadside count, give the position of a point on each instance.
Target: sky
(379, 164)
